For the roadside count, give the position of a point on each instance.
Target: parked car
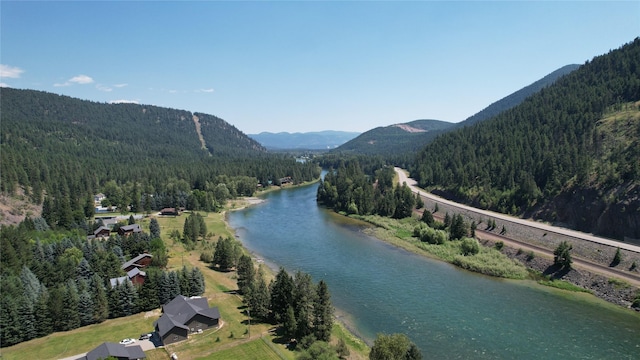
(146, 336)
(127, 341)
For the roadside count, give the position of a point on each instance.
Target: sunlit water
(449, 313)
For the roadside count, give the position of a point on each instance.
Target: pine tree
(154, 228)
(127, 298)
(27, 319)
(44, 325)
(323, 312)
(304, 298)
(99, 298)
(85, 308)
(246, 274)
(281, 290)
(196, 282)
(260, 299)
(69, 314)
(289, 323)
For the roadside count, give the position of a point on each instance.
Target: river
(448, 312)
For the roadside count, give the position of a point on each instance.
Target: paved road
(549, 228)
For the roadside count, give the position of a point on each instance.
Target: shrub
(499, 245)
(530, 255)
(469, 246)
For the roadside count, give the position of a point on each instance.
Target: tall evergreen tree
(196, 282)
(85, 308)
(260, 298)
(246, 274)
(154, 228)
(99, 299)
(281, 290)
(323, 312)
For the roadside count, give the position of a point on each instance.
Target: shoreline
(340, 316)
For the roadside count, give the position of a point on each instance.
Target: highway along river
(449, 313)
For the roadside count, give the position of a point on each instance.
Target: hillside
(320, 140)
(518, 97)
(400, 139)
(552, 156)
(58, 145)
(395, 139)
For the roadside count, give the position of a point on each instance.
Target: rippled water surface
(447, 312)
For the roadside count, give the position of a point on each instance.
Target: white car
(127, 341)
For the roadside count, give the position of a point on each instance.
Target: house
(135, 275)
(140, 261)
(97, 199)
(102, 232)
(127, 230)
(184, 315)
(108, 349)
(170, 212)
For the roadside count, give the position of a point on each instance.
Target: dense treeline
(349, 189)
(64, 147)
(58, 281)
(543, 147)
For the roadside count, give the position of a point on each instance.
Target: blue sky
(304, 66)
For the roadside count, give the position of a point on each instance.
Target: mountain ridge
(385, 141)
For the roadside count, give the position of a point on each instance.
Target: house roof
(119, 351)
(117, 281)
(181, 310)
(100, 229)
(135, 271)
(166, 323)
(135, 260)
(131, 228)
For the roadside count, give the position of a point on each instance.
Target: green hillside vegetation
(558, 155)
(68, 149)
(396, 144)
(517, 97)
(395, 139)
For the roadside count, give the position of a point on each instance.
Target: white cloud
(124, 101)
(4, 84)
(80, 79)
(205, 90)
(103, 88)
(120, 85)
(7, 71)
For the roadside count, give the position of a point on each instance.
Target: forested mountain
(517, 97)
(320, 140)
(567, 154)
(395, 139)
(70, 149)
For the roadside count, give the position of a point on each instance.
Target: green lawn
(229, 342)
(254, 349)
(64, 344)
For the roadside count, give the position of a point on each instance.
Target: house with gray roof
(135, 275)
(140, 261)
(182, 316)
(118, 351)
(127, 230)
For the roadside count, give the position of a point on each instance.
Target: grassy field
(230, 341)
(400, 233)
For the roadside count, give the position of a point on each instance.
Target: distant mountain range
(403, 138)
(321, 140)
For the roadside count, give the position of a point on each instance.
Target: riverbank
(398, 233)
